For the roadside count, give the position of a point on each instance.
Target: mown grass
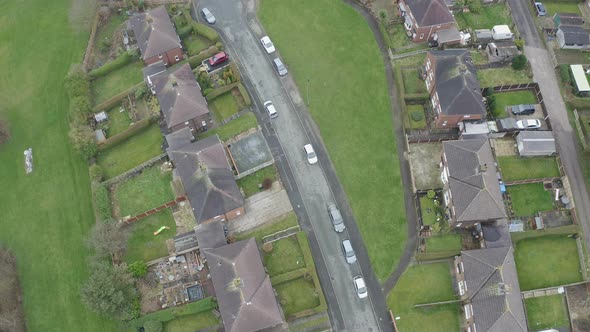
(191, 323)
(419, 111)
(528, 199)
(233, 128)
(117, 81)
(412, 81)
(224, 106)
(195, 44)
(553, 7)
(370, 176)
(250, 184)
(428, 210)
(143, 245)
(512, 98)
(145, 191)
(447, 242)
(502, 76)
(488, 17)
(285, 256)
(514, 168)
(118, 121)
(297, 295)
(547, 312)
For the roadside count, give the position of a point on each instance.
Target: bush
(81, 104)
(244, 94)
(96, 173)
(153, 326)
(132, 130)
(185, 31)
(474, 6)
(102, 202)
(82, 137)
(219, 45)
(171, 313)
(120, 61)
(141, 91)
(234, 69)
(267, 247)
(138, 269)
(207, 91)
(430, 194)
(266, 183)
(220, 91)
(417, 116)
(196, 60)
(519, 44)
(519, 62)
(77, 83)
(205, 31)
(285, 277)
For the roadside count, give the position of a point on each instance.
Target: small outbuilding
(567, 19)
(581, 81)
(535, 143)
(99, 136)
(101, 117)
(502, 51)
(572, 37)
(448, 36)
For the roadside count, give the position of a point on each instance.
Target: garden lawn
(528, 199)
(46, 214)
(412, 81)
(117, 81)
(488, 17)
(195, 44)
(250, 183)
(135, 150)
(118, 121)
(478, 57)
(512, 98)
(428, 210)
(143, 245)
(297, 295)
(447, 242)
(287, 221)
(224, 106)
(191, 323)
(514, 168)
(370, 176)
(546, 262)
(143, 192)
(553, 7)
(547, 312)
(285, 256)
(499, 76)
(425, 283)
(233, 128)
(398, 37)
(419, 111)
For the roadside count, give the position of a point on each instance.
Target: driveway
(544, 74)
(308, 187)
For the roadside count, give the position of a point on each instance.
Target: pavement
(544, 75)
(310, 187)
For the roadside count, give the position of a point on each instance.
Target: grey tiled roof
(154, 32)
(575, 35)
(536, 142)
(430, 12)
(503, 48)
(475, 191)
(496, 234)
(456, 83)
(570, 19)
(210, 235)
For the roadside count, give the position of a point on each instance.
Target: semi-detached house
(423, 18)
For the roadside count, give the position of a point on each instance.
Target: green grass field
(340, 88)
(143, 245)
(118, 121)
(425, 283)
(512, 98)
(298, 295)
(428, 210)
(249, 184)
(412, 81)
(224, 106)
(546, 312)
(191, 323)
(514, 168)
(447, 242)
(547, 261)
(553, 7)
(499, 76)
(195, 44)
(232, 128)
(46, 214)
(143, 192)
(416, 109)
(285, 256)
(528, 199)
(486, 19)
(117, 81)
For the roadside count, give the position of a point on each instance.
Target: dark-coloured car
(218, 58)
(523, 109)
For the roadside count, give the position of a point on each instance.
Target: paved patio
(424, 163)
(504, 146)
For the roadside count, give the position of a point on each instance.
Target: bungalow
(156, 37)
(455, 94)
(206, 177)
(572, 37)
(181, 101)
(502, 51)
(560, 19)
(422, 18)
(471, 189)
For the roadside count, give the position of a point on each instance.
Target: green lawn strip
(169, 314)
(428, 210)
(117, 81)
(501, 76)
(191, 323)
(547, 261)
(118, 121)
(528, 199)
(249, 184)
(447, 242)
(143, 245)
(40, 41)
(195, 44)
(224, 106)
(287, 221)
(425, 283)
(233, 128)
(488, 17)
(416, 109)
(285, 256)
(513, 98)
(297, 295)
(547, 312)
(131, 152)
(145, 191)
(370, 176)
(553, 7)
(412, 81)
(514, 168)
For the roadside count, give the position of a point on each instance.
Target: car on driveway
(208, 16)
(270, 109)
(540, 8)
(360, 287)
(267, 44)
(348, 251)
(528, 124)
(336, 218)
(523, 109)
(218, 58)
(279, 66)
(312, 158)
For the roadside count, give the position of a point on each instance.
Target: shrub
(82, 138)
(219, 45)
(141, 91)
(4, 131)
(132, 130)
(430, 194)
(417, 116)
(96, 173)
(207, 91)
(105, 44)
(519, 62)
(244, 94)
(81, 104)
(102, 202)
(196, 60)
(266, 183)
(474, 6)
(220, 91)
(205, 31)
(234, 69)
(267, 247)
(185, 31)
(153, 326)
(203, 80)
(520, 44)
(138, 269)
(120, 61)
(77, 83)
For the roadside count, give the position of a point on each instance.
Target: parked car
(360, 287)
(523, 109)
(348, 251)
(218, 58)
(528, 124)
(541, 11)
(270, 109)
(267, 44)
(336, 218)
(312, 158)
(208, 16)
(280, 67)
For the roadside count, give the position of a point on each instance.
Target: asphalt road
(544, 75)
(311, 187)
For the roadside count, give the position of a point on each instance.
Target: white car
(528, 124)
(267, 44)
(208, 16)
(312, 158)
(270, 109)
(336, 218)
(360, 287)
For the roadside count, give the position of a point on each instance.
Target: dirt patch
(424, 162)
(578, 301)
(12, 317)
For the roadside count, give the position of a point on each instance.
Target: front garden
(233, 128)
(486, 18)
(502, 76)
(514, 168)
(253, 183)
(547, 312)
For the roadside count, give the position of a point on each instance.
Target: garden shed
(580, 80)
(535, 143)
(101, 117)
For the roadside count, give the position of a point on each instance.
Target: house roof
(580, 78)
(246, 298)
(205, 174)
(185, 241)
(475, 191)
(574, 35)
(496, 234)
(493, 289)
(569, 19)
(456, 83)
(153, 69)
(210, 235)
(503, 48)
(179, 95)
(154, 32)
(430, 12)
(536, 142)
(448, 35)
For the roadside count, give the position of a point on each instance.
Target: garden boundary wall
(135, 170)
(155, 210)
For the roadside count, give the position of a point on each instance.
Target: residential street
(544, 74)
(310, 187)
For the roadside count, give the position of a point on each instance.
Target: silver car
(348, 252)
(208, 16)
(279, 66)
(336, 218)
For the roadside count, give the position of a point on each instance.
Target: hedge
(416, 96)
(435, 255)
(244, 94)
(196, 60)
(132, 130)
(234, 69)
(184, 31)
(171, 313)
(120, 61)
(205, 31)
(116, 99)
(220, 91)
(102, 202)
(564, 230)
(285, 277)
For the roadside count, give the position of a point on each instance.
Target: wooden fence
(135, 170)
(90, 47)
(155, 210)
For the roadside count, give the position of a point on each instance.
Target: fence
(547, 291)
(135, 170)
(281, 234)
(90, 46)
(425, 136)
(148, 3)
(512, 183)
(579, 130)
(155, 210)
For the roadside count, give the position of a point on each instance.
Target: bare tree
(107, 238)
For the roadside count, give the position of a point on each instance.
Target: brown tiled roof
(430, 12)
(154, 32)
